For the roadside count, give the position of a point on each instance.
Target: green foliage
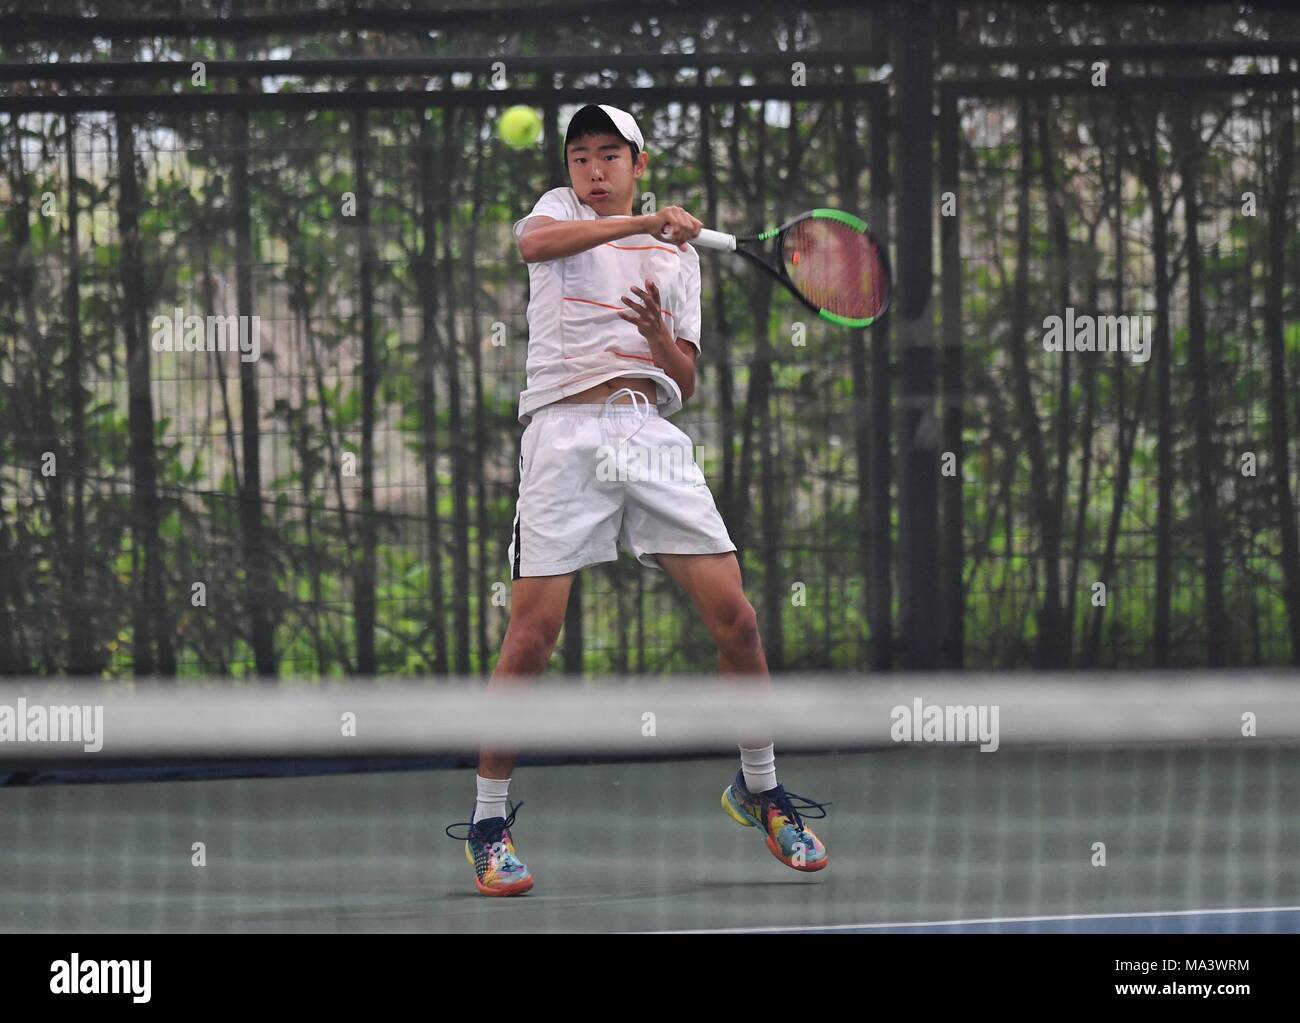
(310, 391)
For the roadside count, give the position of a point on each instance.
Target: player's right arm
(544, 238)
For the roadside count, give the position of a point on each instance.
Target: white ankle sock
(759, 767)
(491, 800)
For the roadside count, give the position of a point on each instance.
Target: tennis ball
(519, 127)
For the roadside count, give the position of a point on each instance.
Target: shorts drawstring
(645, 415)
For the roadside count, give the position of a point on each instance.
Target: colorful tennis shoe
(777, 813)
(490, 849)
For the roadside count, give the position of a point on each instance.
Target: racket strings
(836, 268)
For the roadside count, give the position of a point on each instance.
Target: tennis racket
(828, 260)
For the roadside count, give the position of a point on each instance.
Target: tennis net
(956, 802)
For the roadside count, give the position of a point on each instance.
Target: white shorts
(585, 489)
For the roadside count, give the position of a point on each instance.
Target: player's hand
(648, 318)
(681, 225)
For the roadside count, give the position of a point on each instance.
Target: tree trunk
(573, 628)
(151, 620)
(258, 565)
(455, 413)
(918, 484)
(952, 495)
(1046, 651)
(364, 593)
(427, 287)
(481, 454)
(1063, 639)
(84, 657)
(1207, 470)
(720, 342)
(1148, 161)
(1279, 233)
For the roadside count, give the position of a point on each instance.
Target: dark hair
(592, 121)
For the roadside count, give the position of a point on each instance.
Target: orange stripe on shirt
(642, 248)
(603, 305)
(629, 355)
(615, 351)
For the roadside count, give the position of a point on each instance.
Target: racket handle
(707, 239)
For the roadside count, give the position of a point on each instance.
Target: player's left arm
(674, 355)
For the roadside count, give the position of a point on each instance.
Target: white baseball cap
(623, 123)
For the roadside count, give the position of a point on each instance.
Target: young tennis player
(613, 339)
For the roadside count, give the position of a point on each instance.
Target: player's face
(601, 171)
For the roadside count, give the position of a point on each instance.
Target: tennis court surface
(1197, 826)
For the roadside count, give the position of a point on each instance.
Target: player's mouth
(597, 193)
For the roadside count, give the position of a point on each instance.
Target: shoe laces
(487, 831)
(785, 803)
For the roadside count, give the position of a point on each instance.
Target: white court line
(988, 920)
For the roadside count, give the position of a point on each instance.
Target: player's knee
(533, 637)
(736, 628)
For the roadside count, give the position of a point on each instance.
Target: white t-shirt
(575, 336)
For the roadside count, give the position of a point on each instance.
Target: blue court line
(1239, 922)
(1265, 920)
